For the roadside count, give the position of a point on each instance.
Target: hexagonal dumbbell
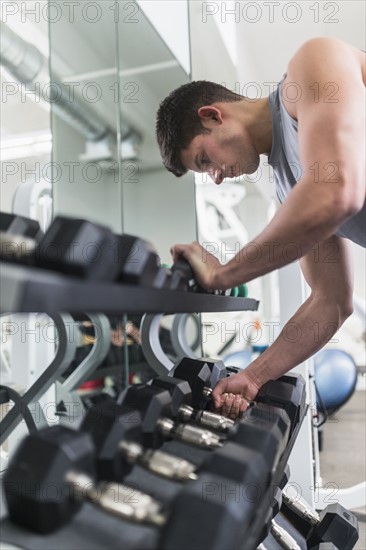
(52, 473)
(182, 399)
(334, 524)
(123, 434)
(158, 422)
(288, 393)
(201, 375)
(18, 238)
(118, 437)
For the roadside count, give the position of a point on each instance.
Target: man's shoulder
(317, 63)
(318, 52)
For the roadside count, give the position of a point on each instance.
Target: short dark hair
(178, 122)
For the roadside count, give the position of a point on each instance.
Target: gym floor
(342, 460)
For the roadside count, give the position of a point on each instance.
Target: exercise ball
(239, 359)
(335, 378)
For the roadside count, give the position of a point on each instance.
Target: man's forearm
(312, 326)
(304, 221)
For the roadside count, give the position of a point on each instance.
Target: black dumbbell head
(288, 393)
(218, 370)
(241, 464)
(13, 224)
(37, 494)
(207, 513)
(337, 525)
(109, 424)
(80, 248)
(277, 417)
(139, 262)
(197, 374)
(260, 436)
(277, 501)
(285, 477)
(183, 277)
(152, 404)
(180, 391)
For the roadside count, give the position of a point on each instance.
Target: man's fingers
(179, 250)
(235, 409)
(218, 394)
(243, 405)
(231, 405)
(227, 405)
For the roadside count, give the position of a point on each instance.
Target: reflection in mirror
(156, 205)
(84, 115)
(25, 113)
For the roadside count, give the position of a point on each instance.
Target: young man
(312, 128)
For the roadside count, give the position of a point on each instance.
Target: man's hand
(205, 266)
(232, 395)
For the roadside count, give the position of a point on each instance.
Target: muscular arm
(328, 272)
(331, 133)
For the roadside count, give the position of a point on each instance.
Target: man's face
(223, 153)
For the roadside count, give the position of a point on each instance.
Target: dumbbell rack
(28, 289)
(31, 289)
(93, 529)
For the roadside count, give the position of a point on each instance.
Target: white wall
(211, 59)
(171, 21)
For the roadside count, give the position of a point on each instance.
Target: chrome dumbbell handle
(189, 434)
(159, 462)
(119, 500)
(283, 537)
(301, 508)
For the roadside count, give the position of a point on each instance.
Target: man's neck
(257, 118)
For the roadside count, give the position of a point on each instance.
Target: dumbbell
(91, 251)
(202, 376)
(158, 422)
(264, 429)
(181, 394)
(334, 524)
(141, 418)
(13, 224)
(52, 473)
(183, 278)
(275, 506)
(117, 435)
(18, 238)
(251, 452)
(283, 537)
(288, 393)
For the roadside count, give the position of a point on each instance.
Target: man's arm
(331, 131)
(328, 271)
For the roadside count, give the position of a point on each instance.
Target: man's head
(205, 127)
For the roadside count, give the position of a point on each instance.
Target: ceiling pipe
(30, 68)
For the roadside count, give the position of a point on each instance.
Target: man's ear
(210, 116)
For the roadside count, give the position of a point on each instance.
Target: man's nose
(217, 176)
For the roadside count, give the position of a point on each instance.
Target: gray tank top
(285, 161)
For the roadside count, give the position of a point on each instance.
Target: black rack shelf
(31, 289)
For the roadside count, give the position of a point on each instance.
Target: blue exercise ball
(239, 359)
(335, 378)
